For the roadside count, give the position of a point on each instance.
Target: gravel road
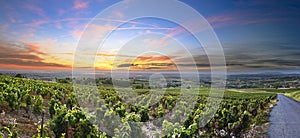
(285, 119)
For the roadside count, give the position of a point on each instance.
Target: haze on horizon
(256, 35)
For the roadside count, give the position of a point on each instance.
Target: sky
(256, 35)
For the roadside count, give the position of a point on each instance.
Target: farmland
(25, 103)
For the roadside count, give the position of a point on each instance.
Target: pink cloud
(222, 18)
(80, 5)
(100, 1)
(156, 43)
(11, 18)
(14, 33)
(175, 31)
(27, 35)
(58, 25)
(61, 12)
(35, 9)
(37, 23)
(75, 21)
(118, 14)
(76, 33)
(243, 18)
(4, 27)
(225, 19)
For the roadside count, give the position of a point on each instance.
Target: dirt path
(285, 119)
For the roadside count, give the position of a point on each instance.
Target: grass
(230, 93)
(295, 95)
(279, 90)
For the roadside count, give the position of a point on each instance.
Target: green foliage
(45, 132)
(37, 107)
(54, 105)
(144, 114)
(57, 124)
(71, 100)
(9, 131)
(12, 97)
(79, 125)
(29, 101)
(64, 80)
(234, 115)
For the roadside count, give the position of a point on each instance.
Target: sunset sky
(256, 35)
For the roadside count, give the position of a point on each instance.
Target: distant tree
(64, 80)
(19, 76)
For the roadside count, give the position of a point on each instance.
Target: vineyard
(32, 108)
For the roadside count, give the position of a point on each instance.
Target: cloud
(149, 62)
(14, 32)
(156, 43)
(37, 23)
(125, 65)
(175, 31)
(107, 54)
(251, 16)
(27, 35)
(34, 48)
(74, 21)
(152, 58)
(35, 9)
(61, 12)
(76, 33)
(19, 51)
(27, 55)
(272, 56)
(67, 53)
(237, 17)
(118, 14)
(4, 27)
(94, 32)
(11, 18)
(80, 4)
(58, 25)
(30, 63)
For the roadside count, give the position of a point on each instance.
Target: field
(85, 113)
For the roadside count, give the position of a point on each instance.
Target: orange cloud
(16, 55)
(34, 48)
(107, 54)
(150, 62)
(146, 59)
(25, 67)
